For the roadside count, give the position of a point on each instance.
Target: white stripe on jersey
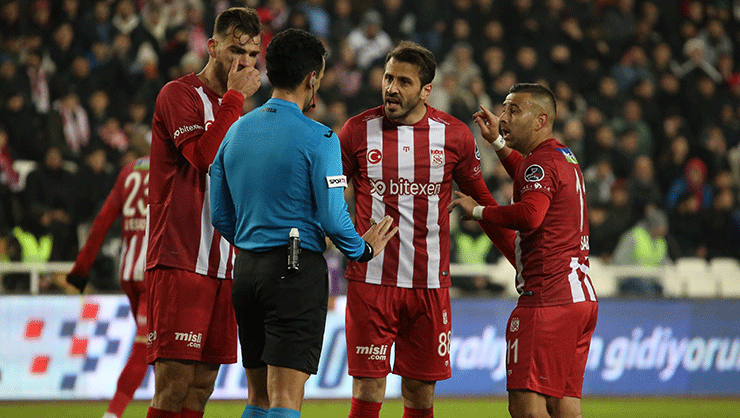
(575, 285)
(406, 208)
(140, 265)
(127, 258)
(518, 261)
(207, 105)
(206, 232)
(374, 273)
(437, 141)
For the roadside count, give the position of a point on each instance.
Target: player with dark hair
(549, 332)
(402, 158)
(278, 171)
(128, 199)
(191, 324)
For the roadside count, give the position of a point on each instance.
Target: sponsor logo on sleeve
(336, 181)
(534, 173)
(183, 129)
(569, 156)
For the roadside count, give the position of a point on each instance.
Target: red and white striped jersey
(128, 198)
(406, 171)
(552, 260)
(179, 224)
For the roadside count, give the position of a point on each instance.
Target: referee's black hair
(238, 21)
(291, 55)
(413, 53)
(538, 91)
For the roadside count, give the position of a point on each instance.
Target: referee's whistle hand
(379, 234)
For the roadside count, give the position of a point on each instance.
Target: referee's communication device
(294, 248)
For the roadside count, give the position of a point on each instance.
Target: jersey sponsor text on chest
(404, 187)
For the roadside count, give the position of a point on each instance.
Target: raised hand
(246, 81)
(488, 124)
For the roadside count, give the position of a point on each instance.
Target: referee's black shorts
(281, 315)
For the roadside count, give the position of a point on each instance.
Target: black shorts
(281, 315)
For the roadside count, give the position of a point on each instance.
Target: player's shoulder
(364, 117)
(434, 114)
(185, 85)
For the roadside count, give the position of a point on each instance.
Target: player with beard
(191, 323)
(402, 158)
(549, 332)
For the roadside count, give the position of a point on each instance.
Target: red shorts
(417, 320)
(191, 317)
(547, 348)
(136, 292)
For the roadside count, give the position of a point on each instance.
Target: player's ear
(425, 91)
(212, 44)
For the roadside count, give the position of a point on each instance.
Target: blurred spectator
(686, 226)
(370, 92)
(342, 22)
(631, 68)
(69, 126)
(642, 187)
(399, 21)
(671, 162)
(319, 21)
(369, 41)
(40, 22)
(619, 23)
(64, 47)
(470, 246)
(704, 104)
(606, 98)
(96, 24)
(603, 234)
(460, 62)
(722, 226)
(716, 40)
(38, 78)
(23, 127)
(694, 180)
(697, 64)
(630, 119)
(347, 71)
(78, 78)
(93, 181)
(598, 179)
(646, 244)
(50, 206)
(627, 150)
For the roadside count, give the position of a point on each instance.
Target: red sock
(130, 379)
(159, 413)
(364, 409)
(189, 413)
(417, 413)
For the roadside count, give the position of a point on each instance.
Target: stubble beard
(404, 109)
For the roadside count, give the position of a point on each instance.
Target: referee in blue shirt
(277, 170)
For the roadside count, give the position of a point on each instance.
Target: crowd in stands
(648, 98)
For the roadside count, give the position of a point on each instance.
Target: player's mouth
(505, 133)
(392, 103)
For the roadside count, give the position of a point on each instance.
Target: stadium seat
(603, 278)
(694, 271)
(726, 271)
(673, 285)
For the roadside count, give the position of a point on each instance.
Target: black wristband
(367, 255)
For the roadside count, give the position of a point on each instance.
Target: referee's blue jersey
(277, 169)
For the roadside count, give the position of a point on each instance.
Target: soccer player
(402, 157)
(278, 170)
(128, 198)
(549, 332)
(191, 323)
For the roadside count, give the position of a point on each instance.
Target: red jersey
(406, 171)
(180, 230)
(552, 260)
(128, 198)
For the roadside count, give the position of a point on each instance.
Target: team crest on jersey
(569, 156)
(374, 156)
(514, 324)
(438, 156)
(534, 173)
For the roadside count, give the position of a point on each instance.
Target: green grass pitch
(444, 407)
